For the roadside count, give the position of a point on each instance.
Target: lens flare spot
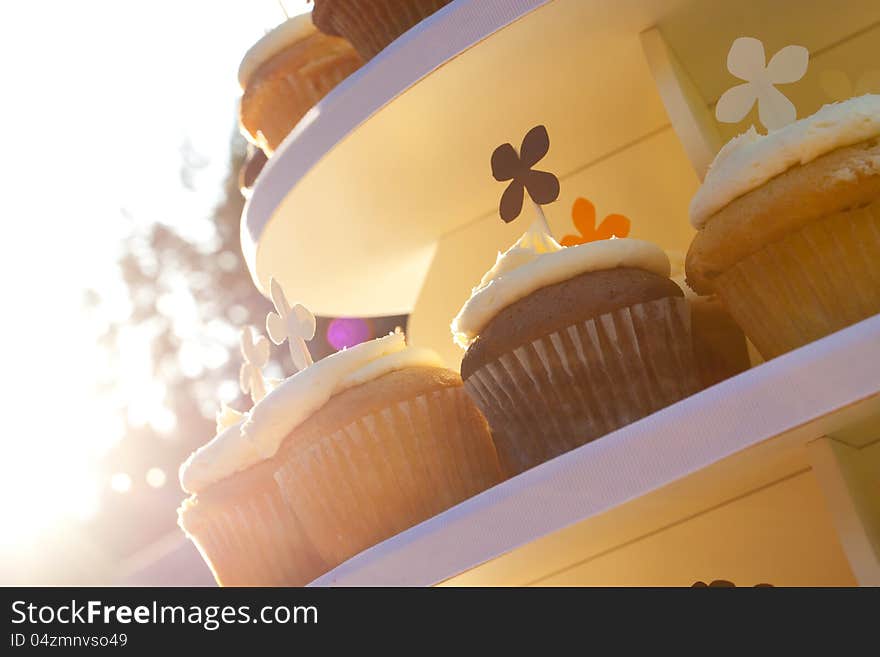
(156, 477)
(120, 482)
(347, 332)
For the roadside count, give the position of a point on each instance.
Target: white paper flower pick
(296, 325)
(255, 352)
(746, 60)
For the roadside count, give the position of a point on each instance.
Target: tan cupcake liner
(814, 282)
(582, 382)
(370, 25)
(252, 541)
(387, 471)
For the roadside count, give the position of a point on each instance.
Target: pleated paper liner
(582, 382)
(814, 282)
(370, 25)
(387, 471)
(719, 344)
(291, 83)
(250, 538)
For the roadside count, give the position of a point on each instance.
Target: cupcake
(720, 347)
(564, 345)
(789, 227)
(284, 74)
(357, 447)
(237, 517)
(370, 25)
(372, 440)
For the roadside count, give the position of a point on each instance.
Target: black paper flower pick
(543, 187)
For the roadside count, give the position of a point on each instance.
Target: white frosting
(222, 455)
(293, 401)
(289, 32)
(748, 161)
(227, 417)
(536, 261)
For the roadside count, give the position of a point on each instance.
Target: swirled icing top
(260, 432)
(273, 42)
(536, 260)
(748, 161)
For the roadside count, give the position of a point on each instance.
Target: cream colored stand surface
(771, 476)
(381, 201)
(635, 130)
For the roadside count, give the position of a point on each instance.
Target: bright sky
(99, 98)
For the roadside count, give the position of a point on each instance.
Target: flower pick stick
(542, 219)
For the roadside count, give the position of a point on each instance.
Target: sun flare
(97, 154)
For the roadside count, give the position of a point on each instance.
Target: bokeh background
(124, 288)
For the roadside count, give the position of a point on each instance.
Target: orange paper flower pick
(583, 214)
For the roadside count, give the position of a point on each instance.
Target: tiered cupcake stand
(381, 202)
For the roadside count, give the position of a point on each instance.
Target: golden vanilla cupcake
(238, 518)
(789, 227)
(370, 25)
(285, 74)
(564, 345)
(357, 447)
(398, 442)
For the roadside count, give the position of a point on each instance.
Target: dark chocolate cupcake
(565, 345)
(370, 25)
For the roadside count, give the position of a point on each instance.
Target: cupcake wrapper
(579, 383)
(254, 541)
(370, 25)
(720, 348)
(818, 280)
(387, 471)
(712, 366)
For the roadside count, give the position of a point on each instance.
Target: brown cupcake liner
(285, 99)
(252, 540)
(720, 348)
(388, 471)
(712, 365)
(370, 25)
(579, 383)
(814, 282)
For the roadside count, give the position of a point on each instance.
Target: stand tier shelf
(381, 202)
(771, 476)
